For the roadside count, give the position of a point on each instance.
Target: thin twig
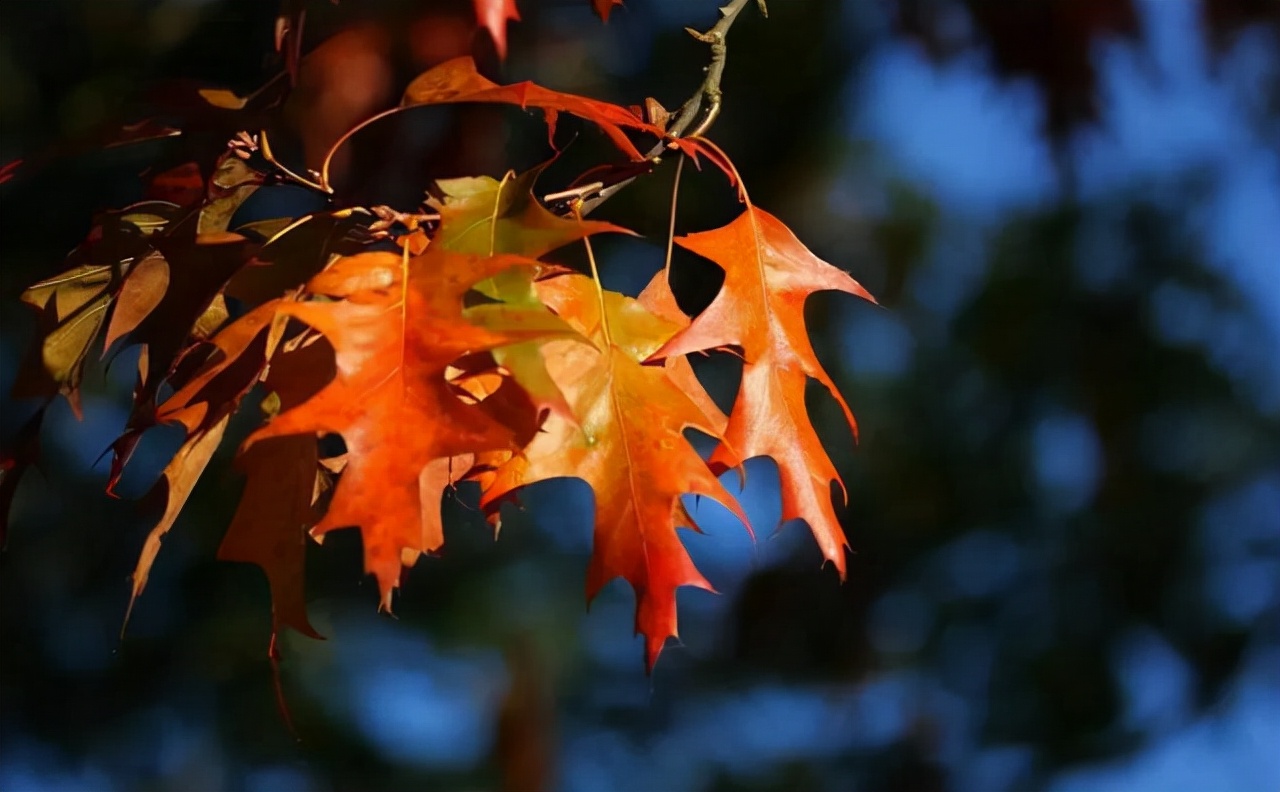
(708, 92)
(717, 37)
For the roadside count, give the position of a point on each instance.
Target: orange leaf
(492, 16)
(397, 326)
(628, 445)
(768, 276)
(658, 300)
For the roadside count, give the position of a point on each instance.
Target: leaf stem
(671, 225)
(595, 277)
(742, 188)
(497, 209)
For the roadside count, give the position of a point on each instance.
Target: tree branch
(708, 92)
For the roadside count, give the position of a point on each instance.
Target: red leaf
(458, 81)
(493, 16)
(603, 7)
(8, 169)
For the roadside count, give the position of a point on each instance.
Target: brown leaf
(143, 288)
(240, 354)
(232, 183)
(291, 256)
(72, 309)
(198, 270)
(174, 487)
(15, 458)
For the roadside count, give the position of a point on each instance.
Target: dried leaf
(174, 487)
(141, 292)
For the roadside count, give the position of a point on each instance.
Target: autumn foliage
(441, 343)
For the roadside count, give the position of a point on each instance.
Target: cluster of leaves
(440, 346)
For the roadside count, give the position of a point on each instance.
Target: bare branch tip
(705, 38)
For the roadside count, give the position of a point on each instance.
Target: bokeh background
(1064, 507)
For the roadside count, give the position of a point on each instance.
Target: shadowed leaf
(15, 458)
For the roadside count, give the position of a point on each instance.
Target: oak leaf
(769, 274)
(458, 81)
(191, 309)
(204, 406)
(270, 525)
(628, 445)
(174, 487)
(73, 305)
(483, 215)
(72, 309)
(396, 325)
(240, 354)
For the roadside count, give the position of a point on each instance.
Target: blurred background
(1064, 507)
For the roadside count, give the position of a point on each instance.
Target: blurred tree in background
(1064, 507)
